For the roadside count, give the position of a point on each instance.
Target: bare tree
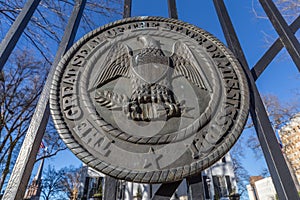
(62, 183)
(71, 181)
(52, 187)
(20, 87)
(279, 114)
(241, 174)
(52, 142)
(49, 21)
(22, 79)
(288, 8)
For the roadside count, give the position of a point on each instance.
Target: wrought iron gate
(276, 163)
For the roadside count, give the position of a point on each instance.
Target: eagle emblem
(151, 72)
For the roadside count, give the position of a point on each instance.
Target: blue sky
(281, 78)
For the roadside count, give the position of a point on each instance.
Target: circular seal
(149, 99)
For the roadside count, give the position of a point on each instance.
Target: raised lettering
(233, 94)
(92, 137)
(68, 102)
(73, 113)
(102, 145)
(82, 128)
(67, 91)
(232, 83)
(79, 58)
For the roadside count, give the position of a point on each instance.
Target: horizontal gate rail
(288, 38)
(267, 58)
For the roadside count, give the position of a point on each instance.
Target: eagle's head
(151, 52)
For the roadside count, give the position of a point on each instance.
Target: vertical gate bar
(172, 9)
(196, 187)
(277, 166)
(288, 38)
(110, 188)
(267, 58)
(11, 38)
(127, 8)
(22, 170)
(110, 182)
(166, 190)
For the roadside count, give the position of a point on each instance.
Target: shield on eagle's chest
(151, 72)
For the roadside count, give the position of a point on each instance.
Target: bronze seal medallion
(149, 99)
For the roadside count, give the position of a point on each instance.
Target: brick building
(290, 138)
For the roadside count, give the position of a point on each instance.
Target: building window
(206, 186)
(220, 187)
(229, 186)
(224, 160)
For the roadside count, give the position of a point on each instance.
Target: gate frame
(276, 163)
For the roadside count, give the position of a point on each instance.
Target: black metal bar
(166, 190)
(228, 29)
(277, 166)
(20, 175)
(15, 31)
(110, 188)
(288, 38)
(196, 187)
(172, 9)
(267, 58)
(127, 8)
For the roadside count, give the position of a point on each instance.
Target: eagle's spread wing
(115, 65)
(185, 65)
